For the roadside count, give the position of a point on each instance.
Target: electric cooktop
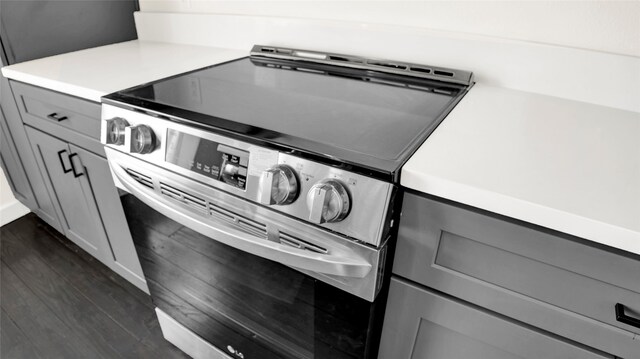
(367, 115)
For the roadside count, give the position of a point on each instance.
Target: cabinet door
(98, 183)
(69, 183)
(424, 324)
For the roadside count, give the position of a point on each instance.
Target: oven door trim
(347, 264)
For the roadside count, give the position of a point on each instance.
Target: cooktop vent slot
(192, 201)
(390, 65)
(302, 244)
(423, 70)
(143, 179)
(443, 73)
(349, 59)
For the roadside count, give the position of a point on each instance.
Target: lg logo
(235, 352)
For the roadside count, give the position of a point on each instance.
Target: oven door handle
(340, 261)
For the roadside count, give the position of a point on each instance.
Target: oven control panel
(341, 201)
(208, 158)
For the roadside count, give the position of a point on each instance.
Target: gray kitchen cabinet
(423, 324)
(63, 132)
(88, 203)
(550, 281)
(85, 208)
(30, 191)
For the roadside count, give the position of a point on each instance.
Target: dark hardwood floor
(59, 302)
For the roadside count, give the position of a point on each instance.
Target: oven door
(235, 296)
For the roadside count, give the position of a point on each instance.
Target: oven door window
(245, 305)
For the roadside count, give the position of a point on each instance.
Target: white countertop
(565, 165)
(93, 73)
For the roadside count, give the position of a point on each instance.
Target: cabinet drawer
(552, 281)
(40, 107)
(423, 324)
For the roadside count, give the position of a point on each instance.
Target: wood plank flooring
(57, 301)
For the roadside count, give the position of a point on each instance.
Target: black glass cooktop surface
(371, 120)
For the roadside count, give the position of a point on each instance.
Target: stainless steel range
(262, 193)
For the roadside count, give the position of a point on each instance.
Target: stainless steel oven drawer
(71, 118)
(562, 284)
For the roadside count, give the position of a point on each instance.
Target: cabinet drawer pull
(73, 166)
(64, 169)
(623, 318)
(54, 116)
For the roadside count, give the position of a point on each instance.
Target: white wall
(608, 26)
(591, 76)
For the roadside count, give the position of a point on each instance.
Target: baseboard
(11, 211)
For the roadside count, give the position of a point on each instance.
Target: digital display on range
(208, 158)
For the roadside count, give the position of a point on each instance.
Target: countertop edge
(65, 88)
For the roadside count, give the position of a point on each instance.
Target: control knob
(139, 139)
(115, 130)
(328, 201)
(229, 174)
(278, 185)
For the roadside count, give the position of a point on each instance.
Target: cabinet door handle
(73, 166)
(54, 116)
(623, 318)
(64, 169)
